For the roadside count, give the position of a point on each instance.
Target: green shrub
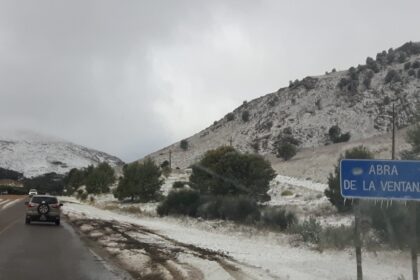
(180, 202)
(233, 208)
(371, 64)
(164, 164)
(184, 144)
(368, 78)
(410, 48)
(418, 73)
(310, 230)
(324, 237)
(245, 116)
(286, 151)
(336, 237)
(407, 65)
(83, 196)
(336, 136)
(411, 72)
(100, 178)
(286, 193)
(416, 64)
(225, 171)
(278, 217)
(402, 57)
(230, 117)
(392, 76)
(141, 180)
(178, 185)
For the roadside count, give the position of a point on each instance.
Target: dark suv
(43, 208)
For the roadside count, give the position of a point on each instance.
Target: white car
(33, 192)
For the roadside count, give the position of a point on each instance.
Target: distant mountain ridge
(359, 100)
(34, 154)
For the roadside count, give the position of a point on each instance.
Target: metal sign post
(382, 179)
(357, 241)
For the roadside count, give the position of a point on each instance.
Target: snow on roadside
(286, 180)
(272, 254)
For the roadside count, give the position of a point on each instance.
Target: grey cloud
(129, 77)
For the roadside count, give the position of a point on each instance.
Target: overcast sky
(129, 77)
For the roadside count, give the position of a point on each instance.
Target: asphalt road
(46, 251)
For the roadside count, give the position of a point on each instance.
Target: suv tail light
(55, 205)
(30, 205)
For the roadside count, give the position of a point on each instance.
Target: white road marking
(3, 202)
(8, 203)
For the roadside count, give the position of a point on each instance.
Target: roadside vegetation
(228, 185)
(96, 179)
(141, 181)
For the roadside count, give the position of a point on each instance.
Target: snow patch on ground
(258, 255)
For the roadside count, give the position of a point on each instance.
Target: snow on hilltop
(359, 100)
(35, 154)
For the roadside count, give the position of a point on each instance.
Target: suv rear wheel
(57, 222)
(43, 209)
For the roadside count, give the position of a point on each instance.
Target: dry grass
(13, 196)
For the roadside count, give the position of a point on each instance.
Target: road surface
(45, 251)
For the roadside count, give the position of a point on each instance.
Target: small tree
(333, 191)
(140, 180)
(245, 116)
(73, 179)
(286, 151)
(225, 171)
(100, 178)
(184, 144)
(336, 136)
(392, 76)
(230, 117)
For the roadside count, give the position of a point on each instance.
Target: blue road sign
(380, 179)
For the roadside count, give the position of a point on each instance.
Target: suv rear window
(47, 199)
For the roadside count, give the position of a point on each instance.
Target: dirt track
(149, 255)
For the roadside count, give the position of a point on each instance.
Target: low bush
(407, 65)
(83, 196)
(132, 210)
(310, 230)
(178, 184)
(245, 116)
(184, 144)
(336, 136)
(336, 237)
(416, 64)
(233, 208)
(286, 151)
(402, 57)
(278, 217)
(180, 202)
(230, 117)
(411, 72)
(13, 190)
(286, 193)
(392, 76)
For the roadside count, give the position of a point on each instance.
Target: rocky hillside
(33, 154)
(358, 100)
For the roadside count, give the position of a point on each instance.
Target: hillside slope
(34, 154)
(358, 100)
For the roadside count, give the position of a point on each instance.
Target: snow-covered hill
(359, 100)
(34, 154)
